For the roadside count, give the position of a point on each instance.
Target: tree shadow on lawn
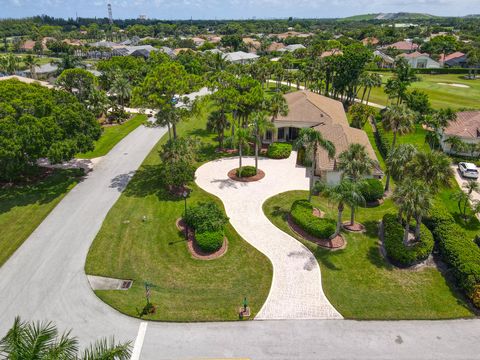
(41, 191)
(279, 213)
(326, 256)
(147, 181)
(471, 224)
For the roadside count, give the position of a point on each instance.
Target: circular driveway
(296, 290)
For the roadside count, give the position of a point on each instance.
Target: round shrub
(205, 216)
(209, 241)
(372, 190)
(302, 215)
(246, 171)
(279, 150)
(393, 241)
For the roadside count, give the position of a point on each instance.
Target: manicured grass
(23, 208)
(112, 135)
(360, 283)
(441, 96)
(154, 250)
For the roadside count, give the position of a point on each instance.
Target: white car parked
(468, 170)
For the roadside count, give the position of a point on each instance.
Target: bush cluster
(382, 140)
(209, 223)
(279, 150)
(246, 171)
(372, 190)
(458, 251)
(393, 233)
(302, 215)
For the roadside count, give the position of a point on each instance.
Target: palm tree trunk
(240, 159)
(363, 95)
(169, 132)
(417, 227)
(352, 216)
(339, 219)
(407, 230)
(174, 129)
(221, 136)
(368, 96)
(256, 155)
(312, 173)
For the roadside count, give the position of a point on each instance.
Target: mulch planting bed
(356, 227)
(336, 243)
(193, 247)
(232, 174)
(374, 203)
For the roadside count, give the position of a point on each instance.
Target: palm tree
(471, 186)
(346, 193)
(241, 139)
(218, 122)
(278, 105)
(122, 89)
(374, 81)
(434, 167)
(67, 61)
(355, 162)
(9, 63)
(398, 159)
(462, 198)
(414, 199)
(399, 120)
(32, 62)
(311, 139)
(41, 341)
(260, 126)
(457, 145)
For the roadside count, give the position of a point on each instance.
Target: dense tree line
(36, 122)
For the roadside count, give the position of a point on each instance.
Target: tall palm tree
(399, 120)
(355, 162)
(399, 158)
(463, 199)
(241, 139)
(32, 62)
(218, 122)
(122, 89)
(41, 341)
(277, 105)
(260, 126)
(471, 186)
(457, 145)
(346, 193)
(434, 167)
(374, 81)
(414, 199)
(311, 140)
(9, 63)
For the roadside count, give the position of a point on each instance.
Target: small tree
(260, 125)
(359, 115)
(241, 139)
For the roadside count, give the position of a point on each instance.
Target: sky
(232, 9)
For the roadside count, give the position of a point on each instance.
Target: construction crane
(110, 18)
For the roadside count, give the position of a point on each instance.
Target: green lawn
(186, 289)
(111, 136)
(358, 281)
(441, 96)
(23, 208)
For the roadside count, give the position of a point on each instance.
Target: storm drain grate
(126, 284)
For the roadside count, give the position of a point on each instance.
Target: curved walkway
(296, 291)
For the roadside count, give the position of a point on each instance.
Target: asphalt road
(45, 280)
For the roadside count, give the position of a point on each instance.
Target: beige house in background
(466, 127)
(308, 109)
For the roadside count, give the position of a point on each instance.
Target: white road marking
(137, 347)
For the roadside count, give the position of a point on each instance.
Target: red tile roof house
(418, 60)
(308, 109)
(466, 127)
(403, 46)
(456, 59)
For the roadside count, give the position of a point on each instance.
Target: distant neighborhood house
(418, 60)
(466, 127)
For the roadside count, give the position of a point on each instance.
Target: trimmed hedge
(302, 215)
(279, 150)
(247, 171)
(447, 70)
(372, 190)
(458, 251)
(383, 143)
(393, 233)
(210, 241)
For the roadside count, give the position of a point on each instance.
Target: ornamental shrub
(372, 190)
(279, 150)
(209, 241)
(393, 241)
(247, 171)
(383, 142)
(205, 217)
(302, 215)
(458, 251)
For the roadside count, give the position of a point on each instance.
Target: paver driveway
(296, 291)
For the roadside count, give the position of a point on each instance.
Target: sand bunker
(455, 85)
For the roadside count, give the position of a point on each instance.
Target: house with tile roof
(417, 60)
(240, 57)
(466, 127)
(456, 59)
(311, 110)
(404, 46)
